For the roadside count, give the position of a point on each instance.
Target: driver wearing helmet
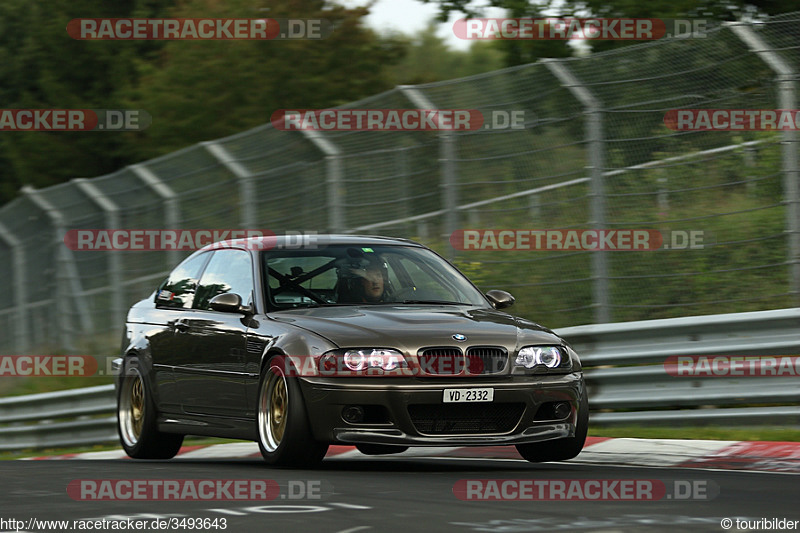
(363, 280)
(373, 283)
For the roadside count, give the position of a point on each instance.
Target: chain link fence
(594, 153)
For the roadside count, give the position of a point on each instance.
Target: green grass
(18, 386)
(700, 433)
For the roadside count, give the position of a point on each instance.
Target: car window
(228, 271)
(352, 274)
(178, 289)
(425, 282)
(291, 268)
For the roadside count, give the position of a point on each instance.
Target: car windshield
(362, 275)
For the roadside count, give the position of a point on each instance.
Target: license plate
(468, 395)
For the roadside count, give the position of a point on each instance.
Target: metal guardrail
(74, 417)
(775, 332)
(628, 384)
(623, 363)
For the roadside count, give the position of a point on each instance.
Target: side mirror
(227, 302)
(500, 299)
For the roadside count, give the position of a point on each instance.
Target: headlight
(355, 360)
(366, 359)
(548, 356)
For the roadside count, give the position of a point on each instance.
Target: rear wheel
(560, 449)
(284, 434)
(136, 418)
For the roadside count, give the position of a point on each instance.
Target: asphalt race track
(402, 494)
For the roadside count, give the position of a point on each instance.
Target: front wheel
(136, 418)
(560, 449)
(284, 434)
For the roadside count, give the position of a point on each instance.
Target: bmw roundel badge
(459, 337)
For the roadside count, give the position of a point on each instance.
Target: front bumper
(326, 398)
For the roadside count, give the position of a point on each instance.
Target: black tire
(380, 449)
(137, 415)
(284, 434)
(560, 449)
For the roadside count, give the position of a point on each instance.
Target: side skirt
(209, 426)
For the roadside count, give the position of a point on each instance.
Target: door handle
(181, 326)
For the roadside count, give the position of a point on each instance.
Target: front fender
(577, 366)
(135, 344)
(300, 348)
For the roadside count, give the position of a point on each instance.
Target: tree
(194, 90)
(201, 90)
(429, 59)
(720, 9)
(528, 51)
(42, 67)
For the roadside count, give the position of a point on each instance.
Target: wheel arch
(138, 347)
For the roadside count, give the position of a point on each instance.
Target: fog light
(353, 414)
(561, 410)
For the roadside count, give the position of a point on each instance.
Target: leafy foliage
(194, 90)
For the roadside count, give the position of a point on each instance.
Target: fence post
(114, 264)
(447, 159)
(172, 208)
(66, 274)
(333, 179)
(594, 138)
(19, 286)
(247, 192)
(405, 186)
(787, 95)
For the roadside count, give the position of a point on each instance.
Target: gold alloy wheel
(131, 410)
(137, 406)
(278, 410)
(273, 409)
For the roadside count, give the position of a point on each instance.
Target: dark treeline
(202, 90)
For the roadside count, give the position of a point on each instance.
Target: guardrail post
(247, 192)
(333, 179)
(114, 264)
(18, 283)
(787, 95)
(596, 146)
(447, 159)
(172, 208)
(66, 274)
(534, 207)
(405, 186)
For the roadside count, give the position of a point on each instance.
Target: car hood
(411, 327)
